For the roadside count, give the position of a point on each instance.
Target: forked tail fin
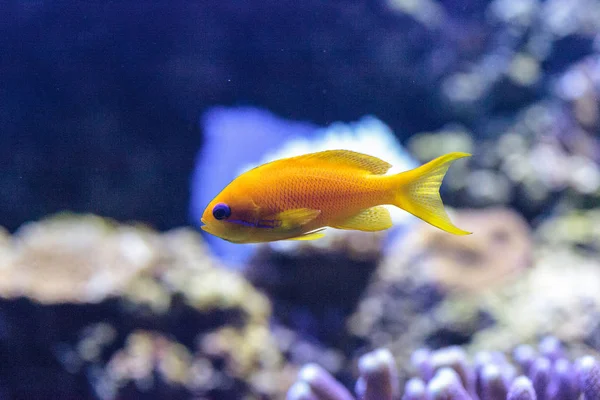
(419, 192)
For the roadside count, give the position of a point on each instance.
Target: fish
(268, 137)
(296, 198)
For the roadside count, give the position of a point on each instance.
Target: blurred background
(119, 121)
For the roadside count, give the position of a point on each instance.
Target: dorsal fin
(347, 158)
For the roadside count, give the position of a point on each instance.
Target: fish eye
(221, 211)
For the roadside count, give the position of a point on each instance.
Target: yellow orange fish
(296, 198)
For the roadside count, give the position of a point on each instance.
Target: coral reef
(121, 311)
(507, 285)
(406, 302)
(173, 323)
(561, 295)
(575, 229)
(502, 248)
(309, 291)
(447, 374)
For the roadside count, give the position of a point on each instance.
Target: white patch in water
(369, 136)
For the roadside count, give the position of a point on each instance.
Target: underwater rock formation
(560, 295)
(423, 271)
(103, 310)
(504, 287)
(577, 229)
(315, 286)
(500, 250)
(447, 374)
(173, 322)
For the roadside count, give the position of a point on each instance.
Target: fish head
(231, 217)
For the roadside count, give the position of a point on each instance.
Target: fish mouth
(206, 227)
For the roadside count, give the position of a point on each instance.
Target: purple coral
(316, 383)
(524, 355)
(521, 389)
(540, 376)
(589, 378)
(446, 385)
(446, 374)
(494, 385)
(378, 376)
(414, 389)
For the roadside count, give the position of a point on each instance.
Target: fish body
(295, 198)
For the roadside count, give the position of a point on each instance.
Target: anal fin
(310, 235)
(369, 220)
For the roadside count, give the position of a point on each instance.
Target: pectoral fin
(297, 217)
(310, 235)
(370, 220)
